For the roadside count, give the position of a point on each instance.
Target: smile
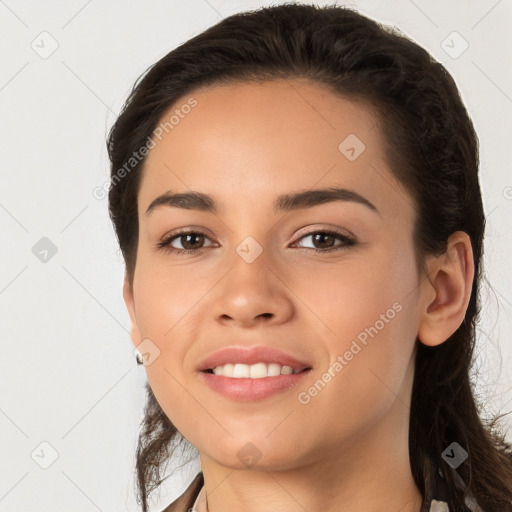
(244, 388)
(253, 371)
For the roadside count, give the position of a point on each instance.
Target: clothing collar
(438, 502)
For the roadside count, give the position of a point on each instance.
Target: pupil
(323, 235)
(190, 236)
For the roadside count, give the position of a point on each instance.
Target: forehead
(248, 140)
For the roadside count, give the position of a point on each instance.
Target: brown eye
(324, 241)
(191, 241)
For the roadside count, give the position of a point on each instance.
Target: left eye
(326, 236)
(194, 237)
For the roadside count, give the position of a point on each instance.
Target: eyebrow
(294, 201)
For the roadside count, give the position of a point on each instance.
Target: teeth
(253, 371)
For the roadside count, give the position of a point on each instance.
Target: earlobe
(451, 280)
(130, 306)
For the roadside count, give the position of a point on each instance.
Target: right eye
(187, 237)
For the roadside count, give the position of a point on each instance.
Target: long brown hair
(432, 149)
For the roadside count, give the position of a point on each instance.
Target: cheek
(366, 315)
(166, 318)
(166, 299)
(168, 308)
(349, 297)
(164, 304)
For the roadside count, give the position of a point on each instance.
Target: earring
(138, 357)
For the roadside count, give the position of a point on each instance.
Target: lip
(251, 355)
(247, 389)
(250, 390)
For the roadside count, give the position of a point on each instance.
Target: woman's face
(350, 314)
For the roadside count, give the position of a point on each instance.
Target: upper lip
(251, 355)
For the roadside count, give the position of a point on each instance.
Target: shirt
(194, 498)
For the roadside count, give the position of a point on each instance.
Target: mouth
(253, 383)
(245, 374)
(255, 371)
(255, 362)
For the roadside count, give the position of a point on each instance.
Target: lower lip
(246, 390)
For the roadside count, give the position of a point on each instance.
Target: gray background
(70, 388)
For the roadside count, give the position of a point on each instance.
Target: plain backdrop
(71, 394)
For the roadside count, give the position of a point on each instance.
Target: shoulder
(437, 502)
(439, 499)
(186, 500)
(438, 506)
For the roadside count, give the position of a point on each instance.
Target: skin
(244, 144)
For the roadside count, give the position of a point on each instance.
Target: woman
(295, 193)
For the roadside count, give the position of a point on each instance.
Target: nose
(252, 294)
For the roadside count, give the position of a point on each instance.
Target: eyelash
(164, 245)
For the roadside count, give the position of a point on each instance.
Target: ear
(449, 284)
(130, 306)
